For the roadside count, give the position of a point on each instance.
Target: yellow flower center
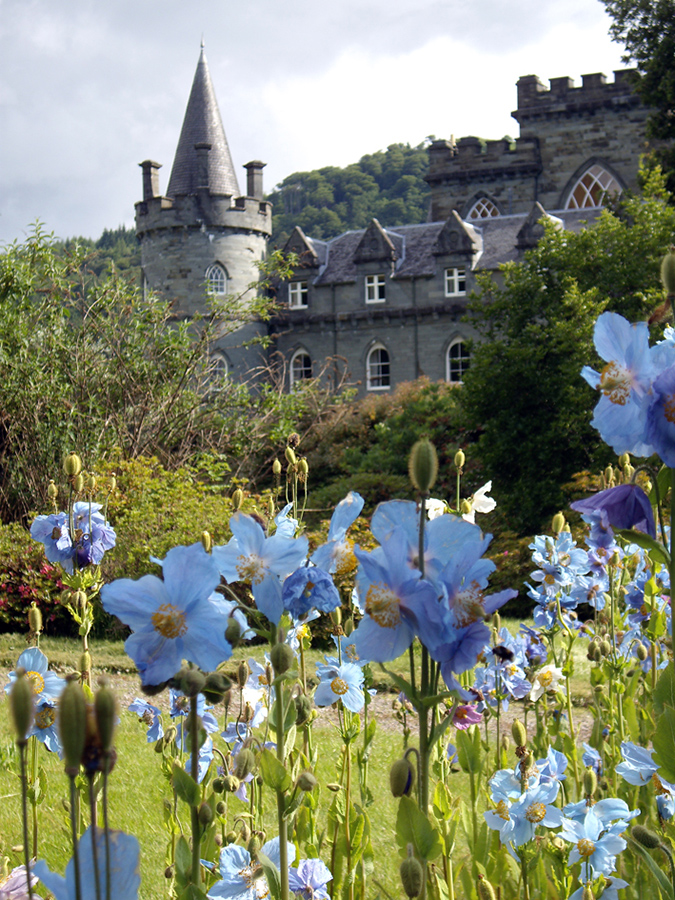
(615, 383)
(339, 686)
(586, 848)
(253, 878)
(383, 606)
(169, 621)
(467, 605)
(345, 561)
(45, 718)
(37, 682)
(250, 568)
(503, 810)
(545, 678)
(535, 812)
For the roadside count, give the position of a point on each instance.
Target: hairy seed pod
(423, 465)
(105, 707)
(72, 725)
(237, 499)
(282, 658)
(460, 459)
(78, 483)
(52, 491)
(243, 673)
(276, 468)
(21, 700)
(291, 458)
(401, 777)
(558, 523)
(113, 483)
(72, 465)
(590, 782)
(35, 619)
(207, 542)
(519, 733)
(484, 889)
(645, 837)
(412, 875)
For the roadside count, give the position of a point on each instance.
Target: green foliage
(524, 394)
(387, 185)
(117, 250)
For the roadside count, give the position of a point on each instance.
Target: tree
(524, 394)
(647, 30)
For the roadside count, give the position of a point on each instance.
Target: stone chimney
(150, 178)
(254, 179)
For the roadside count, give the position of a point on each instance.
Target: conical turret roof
(202, 124)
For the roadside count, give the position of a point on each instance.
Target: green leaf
(272, 875)
(663, 742)
(183, 857)
(469, 750)
(185, 786)
(413, 827)
(664, 692)
(274, 773)
(660, 877)
(657, 551)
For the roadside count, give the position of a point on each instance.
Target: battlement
(204, 210)
(562, 97)
(470, 156)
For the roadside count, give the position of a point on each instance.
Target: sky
(90, 88)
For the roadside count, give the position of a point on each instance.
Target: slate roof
(415, 244)
(202, 124)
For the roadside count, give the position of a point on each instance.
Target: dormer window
(455, 282)
(375, 289)
(216, 280)
(297, 295)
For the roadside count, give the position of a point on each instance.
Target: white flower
(435, 508)
(546, 679)
(480, 502)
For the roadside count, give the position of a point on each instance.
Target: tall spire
(202, 125)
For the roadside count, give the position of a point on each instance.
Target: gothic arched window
(301, 367)
(457, 361)
(483, 208)
(216, 280)
(378, 369)
(591, 189)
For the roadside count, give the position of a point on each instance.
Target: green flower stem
(34, 805)
(523, 870)
(106, 826)
(194, 811)
(348, 803)
(94, 853)
(73, 829)
(281, 753)
(24, 808)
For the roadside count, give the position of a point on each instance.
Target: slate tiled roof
(202, 124)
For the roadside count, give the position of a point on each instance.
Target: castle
(386, 305)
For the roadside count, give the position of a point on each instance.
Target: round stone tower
(203, 237)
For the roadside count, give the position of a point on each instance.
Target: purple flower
(310, 878)
(625, 506)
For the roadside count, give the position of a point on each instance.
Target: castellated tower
(203, 237)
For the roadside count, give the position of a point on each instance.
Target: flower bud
(79, 600)
(218, 840)
(668, 271)
(245, 832)
(282, 658)
(105, 707)
(291, 458)
(35, 619)
(216, 686)
(303, 466)
(423, 465)
(605, 648)
(221, 809)
(254, 844)
(245, 764)
(113, 483)
(232, 632)
(243, 672)
(72, 725)
(484, 889)
(205, 814)
(588, 893)
(411, 875)
(645, 837)
(72, 465)
(22, 706)
(231, 836)
(558, 523)
(207, 542)
(237, 499)
(303, 709)
(641, 652)
(192, 682)
(590, 782)
(401, 777)
(519, 733)
(306, 781)
(460, 459)
(218, 785)
(231, 783)
(276, 468)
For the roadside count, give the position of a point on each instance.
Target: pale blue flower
(45, 728)
(309, 880)
(47, 685)
(335, 556)
(240, 877)
(151, 716)
(595, 847)
(638, 766)
(340, 682)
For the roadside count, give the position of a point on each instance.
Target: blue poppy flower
(309, 588)
(172, 619)
(594, 846)
(47, 685)
(286, 525)
(45, 728)
(52, 531)
(336, 555)
(517, 822)
(151, 716)
(261, 561)
(309, 880)
(240, 877)
(592, 759)
(340, 682)
(625, 506)
(638, 766)
(124, 874)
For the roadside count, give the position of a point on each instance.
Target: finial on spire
(202, 44)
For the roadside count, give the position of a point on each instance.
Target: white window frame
(594, 180)
(375, 288)
(295, 379)
(455, 282)
(464, 361)
(483, 208)
(374, 377)
(216, 280)
(297, 295)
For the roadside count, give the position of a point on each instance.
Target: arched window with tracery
(457, 361)
(216, 280)
(591, 189)
(301, 367)
(483, 208)
(378, 369)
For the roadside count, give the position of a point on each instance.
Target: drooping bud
(646, 837)
(231, 783)
(303, 709)
(22, 705)
(306, 782)
(192, 682)
(558, 523)
(519, 733)
(207, 541)
(605, 648)
(590, 782)
(232, 632)
(218, 785)
(401, 777)
(205, 814)
(412, 874)
(245, 764)
(105, 707)
(484, 889)
(72, 725)
(460, 459)
(423, 465)
(282, 658)
(72, 465)
(35, 619)
(668, 271)
(216, 686)
(237, 499)
(641, 652)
